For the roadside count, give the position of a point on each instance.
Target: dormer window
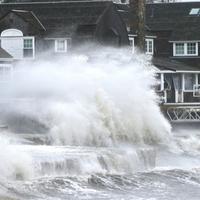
(185, 48)
(61, 45)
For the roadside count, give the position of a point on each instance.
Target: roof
(173, 65)
(27, 16)
(46, 1)
(61, 18)
(174, 17)
(4, 54)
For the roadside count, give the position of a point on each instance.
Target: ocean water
(88, 126)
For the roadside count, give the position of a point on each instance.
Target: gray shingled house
(173, 41)
(29, 28)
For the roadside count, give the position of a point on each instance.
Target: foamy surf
(102, 133)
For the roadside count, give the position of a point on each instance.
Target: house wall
(173, 89)
(189, 60)
(161, 44)
(111, 29)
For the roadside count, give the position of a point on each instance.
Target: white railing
(184, 114)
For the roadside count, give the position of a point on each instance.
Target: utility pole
(138, 9)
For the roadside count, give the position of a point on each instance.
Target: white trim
(196, 79)
(150, 37)
(185, 46)
(133, 44)
(176, 96)
(13, 33)
(147, 41)
(147, 36)
(162, 81)
(182, 89)
(33, 44)
(132, 35)
(56, 46)
(56, 38)
(178, 72)
(38, 20)
(183, 41)
(189, 72)
(174, 104)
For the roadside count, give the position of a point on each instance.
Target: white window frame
(56, 45)
(33, 47)
(147, 41)
(185, 49)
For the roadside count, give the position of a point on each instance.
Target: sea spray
(103, 135)
(14, 164)
(99, 99)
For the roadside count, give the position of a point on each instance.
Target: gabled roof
(27, 16)
(62, 18)
(174, 17)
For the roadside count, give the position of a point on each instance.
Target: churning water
(88, 126)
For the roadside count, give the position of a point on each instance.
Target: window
(190, 81)
(61, 45)
(196, 91)
(194, 11)
(149, 46)
(185, 49)
(180, 49)
(28, 48)
(191, 48)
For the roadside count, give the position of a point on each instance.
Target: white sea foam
(14, 164)
(98, 99)
(102, 99)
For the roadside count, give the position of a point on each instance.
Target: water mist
(98, 112)
(97, 99)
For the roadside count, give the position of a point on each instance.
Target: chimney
(138, 23)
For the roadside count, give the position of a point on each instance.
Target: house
(173, 40)
(29, 28)
(6, 67)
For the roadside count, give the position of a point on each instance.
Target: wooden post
(138, 23)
